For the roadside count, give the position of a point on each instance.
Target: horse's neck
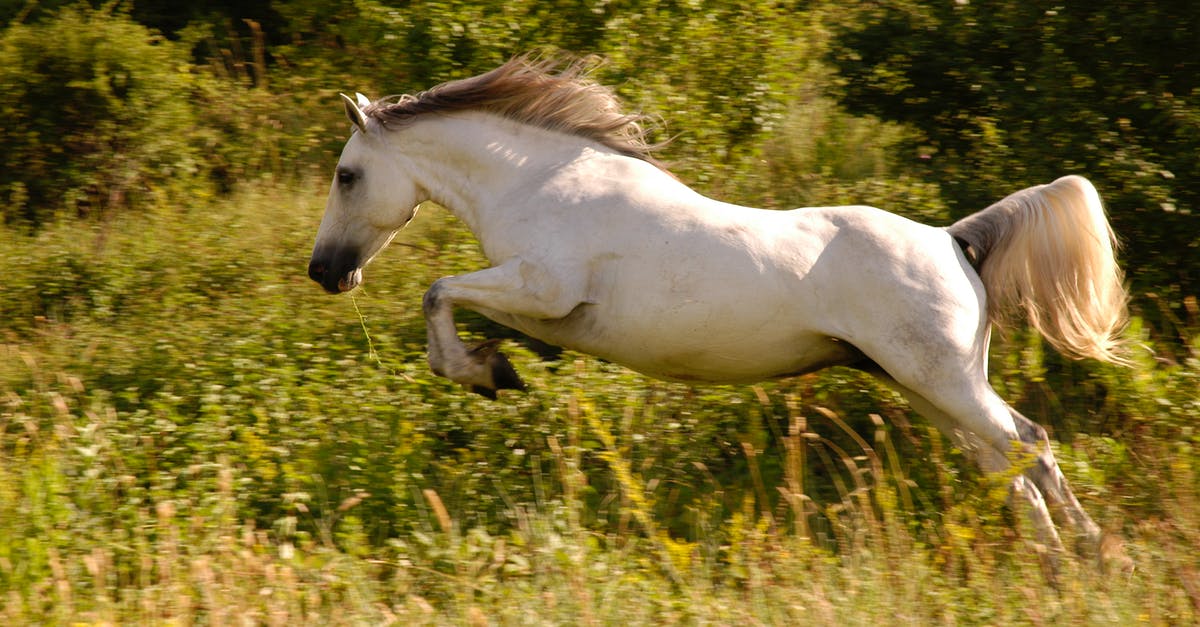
(469, 162)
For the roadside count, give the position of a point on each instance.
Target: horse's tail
(1048, 250)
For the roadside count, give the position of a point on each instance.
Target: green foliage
(96, 109)
(104, 114)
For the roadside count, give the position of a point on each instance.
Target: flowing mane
(547, 93)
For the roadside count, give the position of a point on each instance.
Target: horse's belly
(679, 352)
(749, 362)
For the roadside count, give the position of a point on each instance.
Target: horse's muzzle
(337, 271)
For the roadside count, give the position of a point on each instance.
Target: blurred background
(190, 431)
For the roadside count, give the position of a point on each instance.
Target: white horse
(597, 248)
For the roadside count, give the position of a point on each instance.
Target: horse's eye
(346, 177)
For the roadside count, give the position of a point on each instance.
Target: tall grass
(191, 433)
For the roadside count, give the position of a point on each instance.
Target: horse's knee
(432, 300)
(1036, 440)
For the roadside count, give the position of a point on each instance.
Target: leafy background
(191, 432)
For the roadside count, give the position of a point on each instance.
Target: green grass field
(192, 432)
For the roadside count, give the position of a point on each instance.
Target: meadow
(195, 433)
(192, 432)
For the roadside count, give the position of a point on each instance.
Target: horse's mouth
(338, 284)
(350, 281)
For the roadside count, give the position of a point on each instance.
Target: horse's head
(373, 195)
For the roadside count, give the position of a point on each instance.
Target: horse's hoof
(487, 393)
(504, 376)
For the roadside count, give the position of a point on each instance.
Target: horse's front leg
(516, 287)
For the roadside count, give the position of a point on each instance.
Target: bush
(96, 109)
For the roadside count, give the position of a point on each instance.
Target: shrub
(95, 109)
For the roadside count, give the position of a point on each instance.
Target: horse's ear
(363, 101)
(354, 114)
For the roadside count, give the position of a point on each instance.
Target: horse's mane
(550, 93)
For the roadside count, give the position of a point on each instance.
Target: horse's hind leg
(1046, 474)
(989, 458)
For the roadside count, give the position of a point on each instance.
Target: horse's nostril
(316, 271)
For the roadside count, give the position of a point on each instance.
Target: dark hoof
(504, 376)
(487, 393)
